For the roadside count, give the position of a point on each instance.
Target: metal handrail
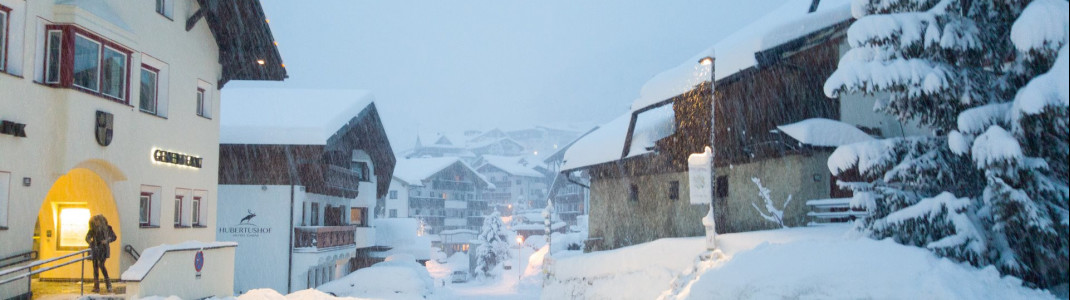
(85, 254)
(26, 256)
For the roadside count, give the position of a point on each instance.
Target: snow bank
(151, 255)
(399, 277)
(269, 294)
(824, 132)
(850, 269)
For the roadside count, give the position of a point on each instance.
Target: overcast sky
(455, 65)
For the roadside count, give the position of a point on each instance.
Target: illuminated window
(358, 216)
(73, 227)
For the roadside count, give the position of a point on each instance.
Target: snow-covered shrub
(494, 248)
(772, 214)
(989, 78)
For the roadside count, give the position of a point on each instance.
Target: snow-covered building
(569, 191)
(771, 123)
(443, 193)
(442, 147)
(299, 177)
(515, 185)
(111, 107)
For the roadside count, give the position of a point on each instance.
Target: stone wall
(789, 175)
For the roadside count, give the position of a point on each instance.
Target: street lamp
(708, 221)
(519, 248)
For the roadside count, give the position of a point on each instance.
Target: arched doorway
(64, 221)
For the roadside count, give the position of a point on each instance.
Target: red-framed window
(145, 209)
(148, 100)
(5, 33)
(82, 60)
(196, 211)
(178, 210)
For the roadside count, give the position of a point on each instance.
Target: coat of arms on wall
(105, 122)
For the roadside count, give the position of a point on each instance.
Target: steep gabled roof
(414, 171)
(241, 30)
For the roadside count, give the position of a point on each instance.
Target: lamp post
(708, 221)
(519, 247)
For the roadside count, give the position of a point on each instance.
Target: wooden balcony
(324, 237)
(328, 179)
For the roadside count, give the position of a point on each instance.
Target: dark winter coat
(98, 237)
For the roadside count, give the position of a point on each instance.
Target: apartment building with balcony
(298, 179)
(111, 107)
(444, 193)
(516, 186)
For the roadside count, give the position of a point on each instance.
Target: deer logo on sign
(248, 218)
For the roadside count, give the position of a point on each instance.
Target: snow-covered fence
(834, 210)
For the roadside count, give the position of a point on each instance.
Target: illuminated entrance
(64, 221)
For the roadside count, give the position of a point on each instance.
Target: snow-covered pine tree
(970, 70)
(495, 247)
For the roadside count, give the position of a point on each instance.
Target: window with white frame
(149, 206)
(200, 102)
(5, 14)
(54, 53)
(86, 63)
(145, 209)
(165, 8)
(149, 89)
(113, 73)
(178, 209)
(196, 211)
(200, 197)
(80, 59)
(204, 99)
(5, 196)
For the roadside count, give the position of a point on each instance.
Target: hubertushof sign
(177, 158)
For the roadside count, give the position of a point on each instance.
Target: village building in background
(112, 108)
(299, 177)
(771, 122)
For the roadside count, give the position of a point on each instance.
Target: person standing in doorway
(99, 236)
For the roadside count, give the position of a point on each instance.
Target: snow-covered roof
(151, 255)
(824, 132)
(287, 116)
(99, 8)
(414, 170)
(511, 165)
(737, 51)
(601, 145)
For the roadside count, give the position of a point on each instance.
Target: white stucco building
(110, 107)
(300, 173)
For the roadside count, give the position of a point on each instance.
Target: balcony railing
(322, 237)
(329, 180)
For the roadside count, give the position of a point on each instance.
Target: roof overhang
(247, 49)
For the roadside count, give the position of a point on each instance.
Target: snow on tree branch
(772, 214)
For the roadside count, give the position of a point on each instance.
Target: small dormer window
(360, 169)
